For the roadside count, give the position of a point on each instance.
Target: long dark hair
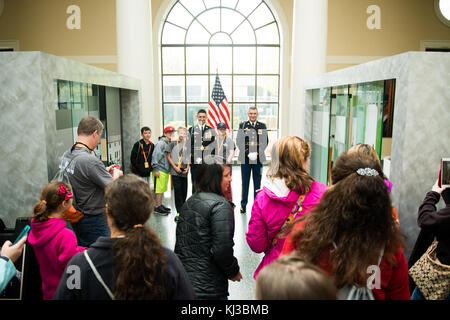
(356, 214)
(139, 256)
(208, 178)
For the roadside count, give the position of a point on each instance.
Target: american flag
(218, 106)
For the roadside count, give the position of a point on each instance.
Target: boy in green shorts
(161, 169)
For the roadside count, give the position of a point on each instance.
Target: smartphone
(445, 173)
(22, 234)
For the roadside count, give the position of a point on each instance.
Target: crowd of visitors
(341, 241)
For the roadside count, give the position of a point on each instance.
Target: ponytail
(40, 210)
(140, 263)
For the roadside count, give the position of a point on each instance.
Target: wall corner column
(309, 52)
(135, 53)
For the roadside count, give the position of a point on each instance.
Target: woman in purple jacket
(289, 193)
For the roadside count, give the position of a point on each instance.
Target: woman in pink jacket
(289, 193)
(53, 244)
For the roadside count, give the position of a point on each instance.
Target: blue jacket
(7, 272)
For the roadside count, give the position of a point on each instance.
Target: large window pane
(229, 3)
(268, 60)
(220, 38)
(261, 16)
(230, 20)
(197, 88)
(173, 88)
(179, 16)
(240, 114)
(268, 113)
(192, 110)
(172, 34)
(196, 60)
(247, 6)
(249, 73)
(267, 88)
(193, 6)
(246, 65)
(212, 3)
(210, 20)
(197, 34)
(268, 34)
(174, 115)
(244, 89)
(64, 95)
(220, 59)
(244, 34)
(173, 60)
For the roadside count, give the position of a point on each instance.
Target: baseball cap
(221, 125)
(169, 129)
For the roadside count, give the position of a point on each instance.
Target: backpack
(61, 174)
(353, 292)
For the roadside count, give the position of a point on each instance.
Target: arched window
(238, 39)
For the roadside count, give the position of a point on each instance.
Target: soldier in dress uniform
(252, 141)
(201, 136)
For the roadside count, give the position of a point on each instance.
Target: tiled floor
(248, 260)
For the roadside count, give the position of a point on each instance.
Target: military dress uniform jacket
(199, 141)
(252, 139)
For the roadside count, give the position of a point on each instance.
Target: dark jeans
(246, 170)
(90, 228)
(180, 186)
(193, 177)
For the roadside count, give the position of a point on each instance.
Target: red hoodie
(54, 245)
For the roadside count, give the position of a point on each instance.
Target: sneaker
(243, 210)
(160, 210)
(165, 208)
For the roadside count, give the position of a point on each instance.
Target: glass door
(338, 122)
(367, 114)
(321, 100)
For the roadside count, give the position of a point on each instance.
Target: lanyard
(180, 155)
(81, 144)
(220, 145)
(148, 153)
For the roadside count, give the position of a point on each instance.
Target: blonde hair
(293, 278)
(366, 150)
(289, 155)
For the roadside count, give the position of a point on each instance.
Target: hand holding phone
(13, 252)
(444, 175)
(22, 234)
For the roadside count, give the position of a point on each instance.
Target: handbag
(430, 275)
